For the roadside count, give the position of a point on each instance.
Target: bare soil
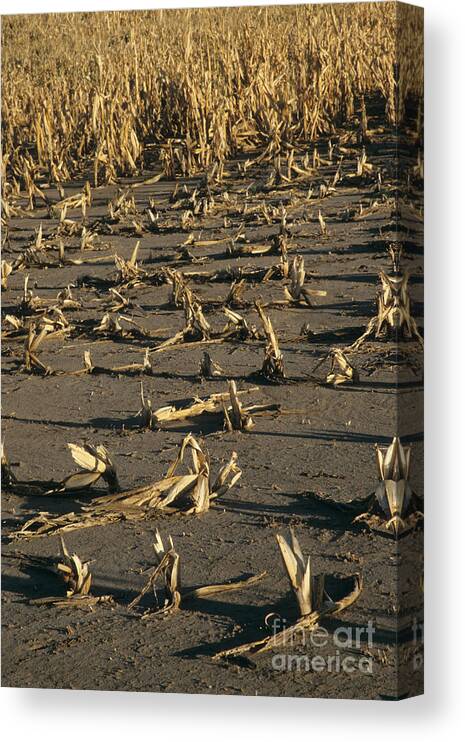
(322, 441)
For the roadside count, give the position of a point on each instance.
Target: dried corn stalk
(110, 325)
(66, 300)
(238, 327)
(296, 291)
(312, 599)
(197, 327)
(208, 367)
(6, 271)
(128, 270)
(393, 492)
(34, 340)
(395, 250)
(8, 476)
(236, 417)
(273, 364)
(395, 506)
(234, 297)
(75, 574)
(393, 311)
(341, 371)
(190, 493)
(323, 227)
(95, 464)
(308, 590)
(30, 303)
(145, 413)
(169, 568)
(212, 404)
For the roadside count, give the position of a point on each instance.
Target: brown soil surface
(322, 442)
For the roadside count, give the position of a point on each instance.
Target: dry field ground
(337, 199)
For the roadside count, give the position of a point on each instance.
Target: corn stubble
(394, 507)
(394, 317)
(169, 570)
(187, 93)
(73, 573)
(310, 594)
(273, 363)
(341, 370)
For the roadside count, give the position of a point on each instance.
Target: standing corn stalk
(273, 364)
(311, 597)
(393, 311)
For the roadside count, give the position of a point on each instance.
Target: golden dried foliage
(196, 86)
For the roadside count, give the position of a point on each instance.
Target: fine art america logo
(337, 652)
(346, 650)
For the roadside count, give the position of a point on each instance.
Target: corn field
(114, 93)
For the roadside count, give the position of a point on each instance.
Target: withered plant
(190, 493)
(7, 269)
(128, 270)
(341, 370)
(184, 84)
(212, 404)
(95, 463)
(395, 250)
(394, 507)
(208, 367)
(8, 476)
(312, 599)
(394, 315)
(34, 340)
(237, 327)
(235, 416)
(273, 364)
(175, 596)
(72, 571)
(297, 292)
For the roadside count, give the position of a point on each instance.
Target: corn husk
(95, 463)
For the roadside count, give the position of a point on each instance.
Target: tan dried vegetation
(112, 92)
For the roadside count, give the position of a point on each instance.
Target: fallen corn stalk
(212, 404)
(190, 493)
